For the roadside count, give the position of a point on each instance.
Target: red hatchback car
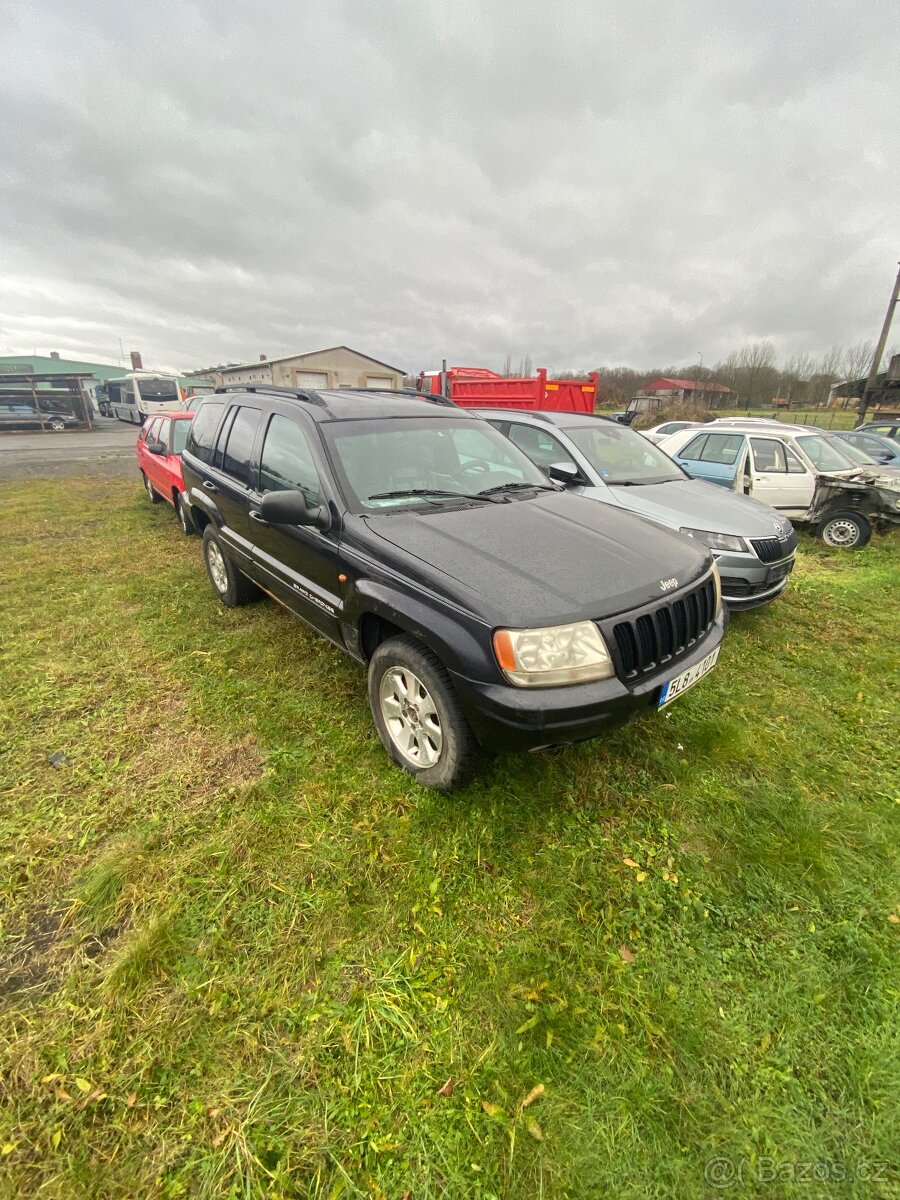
(159, 448)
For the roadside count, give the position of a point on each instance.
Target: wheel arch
(374, 629)
(200, 518)
(377, 611)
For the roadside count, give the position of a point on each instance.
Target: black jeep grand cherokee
(494, 610)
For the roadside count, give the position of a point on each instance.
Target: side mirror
(289, 508)
(156, 447)
(563, 472)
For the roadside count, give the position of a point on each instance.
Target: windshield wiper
(640, 482)
(518, 487)
(403, 493)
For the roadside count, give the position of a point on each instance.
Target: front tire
(418, 716)
(231, 586)
(845, 531)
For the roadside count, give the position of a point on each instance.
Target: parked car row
(811, 476)
(511, 580)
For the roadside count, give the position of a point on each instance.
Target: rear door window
(871, 445)
(203, 430)
(239, 447)
(721, 448)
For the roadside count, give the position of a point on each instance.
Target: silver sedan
(752, 544)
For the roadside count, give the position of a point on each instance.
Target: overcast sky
(597, 183)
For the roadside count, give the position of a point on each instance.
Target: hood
(541, 561)
(699, 505)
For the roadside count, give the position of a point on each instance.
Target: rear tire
(845, 531)
(231, 586)
(418, 715)
(188, 528)
(152, 494)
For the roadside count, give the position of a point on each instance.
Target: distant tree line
(753, 374)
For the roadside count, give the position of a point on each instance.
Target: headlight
(717, 541)
(717, 580)
(557, 655)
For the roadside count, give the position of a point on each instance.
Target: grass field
(824, 418)
(242, 955)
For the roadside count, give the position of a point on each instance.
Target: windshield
(180, 431)
(831, 454)
(622, 456)
(158, 390)
(436, 458)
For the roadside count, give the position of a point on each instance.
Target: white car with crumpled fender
(803, 472)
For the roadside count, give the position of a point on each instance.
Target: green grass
(242, 954)
(825, 418)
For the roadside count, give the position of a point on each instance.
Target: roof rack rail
(430, 397)
(310, 397)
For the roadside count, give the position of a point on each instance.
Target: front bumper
(507, 718)
(748, 582)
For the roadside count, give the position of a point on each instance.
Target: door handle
(258, 517)
(210, 487)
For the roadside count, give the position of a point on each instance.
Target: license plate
(780, 572)
(674, 688)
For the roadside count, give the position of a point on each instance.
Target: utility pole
(879, 351)
(697, 379)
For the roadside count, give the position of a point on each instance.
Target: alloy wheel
(411, 717)
(217, 568)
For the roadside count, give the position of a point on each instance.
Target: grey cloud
(585, 183)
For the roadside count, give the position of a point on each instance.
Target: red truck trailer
(475, 387)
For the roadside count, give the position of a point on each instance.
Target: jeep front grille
(665, 632)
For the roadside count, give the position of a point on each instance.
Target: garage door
(312, 379)
(383, 383)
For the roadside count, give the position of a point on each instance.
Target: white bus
(136, 396)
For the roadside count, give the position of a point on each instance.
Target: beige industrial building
(336, 367)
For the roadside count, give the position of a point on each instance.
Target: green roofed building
(53, 364)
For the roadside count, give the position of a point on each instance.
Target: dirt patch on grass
(32, 962)
(236, 765)
(194, 755)
(28, 960)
